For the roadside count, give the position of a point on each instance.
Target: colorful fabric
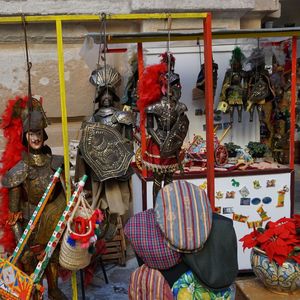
(148, 284)
(153, 161)
(187, 287)
(148, 241)
(184, 215)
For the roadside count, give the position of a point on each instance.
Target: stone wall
(79, 92)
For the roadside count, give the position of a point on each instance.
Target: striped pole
(57, 233)
(35, 217)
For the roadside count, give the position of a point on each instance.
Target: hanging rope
(101, 52)
(169, 57)
(28, 64)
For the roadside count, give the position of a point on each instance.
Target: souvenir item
(259, 89)
(228, 210)
(184, 215)
(230, 195)
(219, 195)
(216, 265)
(239, 218)
(80, 237)
(130, 92)
(267, 200)
(233, 88)
(218, 209)
(203, 186)
(256, 184)
(200, 84)
(245, 201)
(148, 284)
(263, 213)
(148, 241)
(255, 224)
(15, 284)
(196, 151)
(167, 124)
(28, 179)
(104, 150)
(271, 183)
(189, 287)
(235, 183)
(244, 191)
(280, 199)
(255, 201)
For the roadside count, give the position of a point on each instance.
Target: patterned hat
(148, 284)
(184, 215)
(148, 241)
(189, 287)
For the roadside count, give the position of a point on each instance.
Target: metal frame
(207, 35)
(58, 19)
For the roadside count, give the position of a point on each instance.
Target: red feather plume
(12, 130)
(150, 85)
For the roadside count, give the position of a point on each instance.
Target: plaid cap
(184, 215)
(148, 241)
(148, 284)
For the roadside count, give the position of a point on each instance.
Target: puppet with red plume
(12, 132)
(167, 124)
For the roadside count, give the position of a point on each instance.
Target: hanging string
(29, 102)
(28, 64)
(104, 51)
(169, 58)
(199, 45)
(101, 50)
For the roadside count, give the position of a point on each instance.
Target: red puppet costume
(167, 123)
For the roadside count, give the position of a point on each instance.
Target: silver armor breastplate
(106, 116)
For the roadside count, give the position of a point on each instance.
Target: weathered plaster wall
(230, 14)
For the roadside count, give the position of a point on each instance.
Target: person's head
(34, 133)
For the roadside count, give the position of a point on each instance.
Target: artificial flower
(280, 240)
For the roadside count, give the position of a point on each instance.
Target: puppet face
(175, 91)
(106, 100)
(35, 139)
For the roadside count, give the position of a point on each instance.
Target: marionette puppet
(28, 166)
(259, 90)
(105, 149)
(233, 88)
(167, 124)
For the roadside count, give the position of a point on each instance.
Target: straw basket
(76, 258)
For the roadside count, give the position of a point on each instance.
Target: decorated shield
(105, 151)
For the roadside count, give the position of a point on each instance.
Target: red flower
(279, 240)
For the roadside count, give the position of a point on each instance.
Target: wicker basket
(75, 258)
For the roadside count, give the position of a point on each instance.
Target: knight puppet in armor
(105, 148)
(259, 89)
(233, 88)
(26, 183)
(167, 124)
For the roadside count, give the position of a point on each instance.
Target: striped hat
(148, 284)
(184, 215)
(148, 241)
